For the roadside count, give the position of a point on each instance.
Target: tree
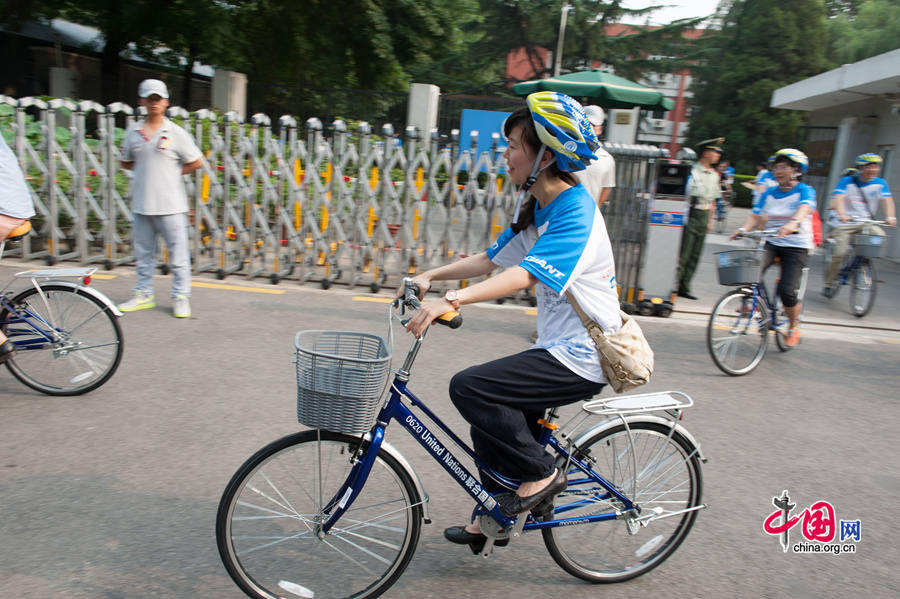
(762, 45)
(872, 28)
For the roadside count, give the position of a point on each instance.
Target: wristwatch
(452, 298)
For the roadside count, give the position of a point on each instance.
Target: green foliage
(872, 28)
(763, 45)
(743, 197)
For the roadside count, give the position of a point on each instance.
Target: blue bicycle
(858, 269)
(739, 325)
(337, 511)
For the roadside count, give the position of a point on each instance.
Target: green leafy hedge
(743, 197)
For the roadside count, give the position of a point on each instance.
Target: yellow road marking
(531, 311)
(370, 298)
(103, 277)
(894, 341)
(237, 288)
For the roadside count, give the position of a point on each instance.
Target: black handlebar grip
(450, 319)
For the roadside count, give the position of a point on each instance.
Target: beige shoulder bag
(625, 356)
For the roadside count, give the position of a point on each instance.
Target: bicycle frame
(395, 409)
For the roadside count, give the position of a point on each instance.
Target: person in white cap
(600, 176)
(160, 153)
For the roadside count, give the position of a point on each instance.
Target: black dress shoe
(687, 295)
(512, 504)
(7, 350)
(475, 540)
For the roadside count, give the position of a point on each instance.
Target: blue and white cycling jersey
(763, 177)
(780, 206)
(860, 199)
(567, 248)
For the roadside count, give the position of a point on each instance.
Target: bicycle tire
(743, 347)
(265, 521)
(863, 284)
(669, 478)
(90, 349)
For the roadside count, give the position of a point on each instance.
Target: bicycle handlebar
(410, 299)
(856, 221)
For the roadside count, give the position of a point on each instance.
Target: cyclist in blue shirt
(787, 207)
(856, 196)
(557, 243)
(764, 180)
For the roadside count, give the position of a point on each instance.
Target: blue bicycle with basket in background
(738, 330)
(858, 269)
(337, 511)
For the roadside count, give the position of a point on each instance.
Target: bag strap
(585, 319)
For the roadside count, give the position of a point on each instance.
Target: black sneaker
(828, 292)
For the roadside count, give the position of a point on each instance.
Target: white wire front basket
(341, 377)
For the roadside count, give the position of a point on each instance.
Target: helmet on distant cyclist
(864, 159)
(795, 157)
(563, 127)
(771, 159)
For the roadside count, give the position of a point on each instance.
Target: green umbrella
(609, 91)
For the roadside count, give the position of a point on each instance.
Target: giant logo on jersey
(551, 270)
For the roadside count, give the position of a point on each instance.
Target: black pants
(793, 261)
(503, 401)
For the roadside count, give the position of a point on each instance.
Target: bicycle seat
(19, 232)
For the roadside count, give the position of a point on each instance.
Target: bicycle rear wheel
(87, 348)
(737, 332)
(267, 518)
(862, 288)
(668, 479)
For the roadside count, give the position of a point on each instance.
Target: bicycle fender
(613, 422)
(87, 291)
(417, 482)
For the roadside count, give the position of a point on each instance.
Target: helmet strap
(536, 171)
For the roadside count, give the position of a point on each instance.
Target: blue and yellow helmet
(795, 157)
(563, 127)
(864, 159)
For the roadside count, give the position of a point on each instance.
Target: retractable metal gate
(286, 200)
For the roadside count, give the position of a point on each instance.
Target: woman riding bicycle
(787, 207)
(557, 243)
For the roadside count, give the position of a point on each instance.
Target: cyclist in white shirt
(557, 243)
(856, 196)
(787, 207)
(16, 208)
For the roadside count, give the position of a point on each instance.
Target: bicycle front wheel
(862, 288)
(659, 472)
(266, 527)
(737, 333)
(67, 342)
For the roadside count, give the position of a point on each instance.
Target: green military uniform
(703, 189)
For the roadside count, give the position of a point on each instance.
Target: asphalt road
(114, 494)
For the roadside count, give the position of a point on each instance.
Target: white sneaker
(140, 301)
(182, 307)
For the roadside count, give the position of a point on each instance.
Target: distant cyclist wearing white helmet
(599, 177)
(788, 207)
(857, 195)
(557, 243)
